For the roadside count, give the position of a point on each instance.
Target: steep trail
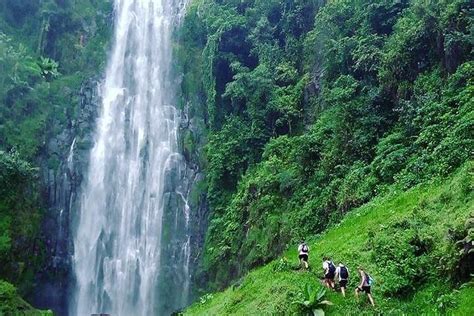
(132, 195)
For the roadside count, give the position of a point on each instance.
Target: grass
(443, 204)
(464, 299)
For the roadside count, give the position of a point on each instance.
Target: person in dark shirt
(329, 272)
(342, 276)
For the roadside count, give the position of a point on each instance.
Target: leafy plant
(311, 300)
(49, 68)
(283, 265)
(206, 297)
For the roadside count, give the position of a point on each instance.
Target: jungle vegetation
(315, 108)
(314, 112)
(48, 49)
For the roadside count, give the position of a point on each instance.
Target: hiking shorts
(329, 276)
(304, 257)
(365, 289)
(343, 283)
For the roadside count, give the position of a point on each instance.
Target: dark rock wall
(193, 139)
(61, 186)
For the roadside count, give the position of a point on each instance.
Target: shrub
(401, 256)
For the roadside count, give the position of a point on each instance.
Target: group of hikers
(339, 273)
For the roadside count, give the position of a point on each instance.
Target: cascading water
(131, 235)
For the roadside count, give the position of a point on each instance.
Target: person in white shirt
(303, 252)
(342, 276)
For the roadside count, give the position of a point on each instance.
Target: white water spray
(119, 230)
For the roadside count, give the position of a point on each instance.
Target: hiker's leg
(371, 299)
(343, 291)
(329, 284)
(302, 263)
(357, 293)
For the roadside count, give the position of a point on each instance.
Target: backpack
(369, 279)
(332, 268)
(305, 248)
(344, 274)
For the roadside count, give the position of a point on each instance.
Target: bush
(401, 254)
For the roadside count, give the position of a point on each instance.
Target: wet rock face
(183, 233)
(63, 164)
(192, 141)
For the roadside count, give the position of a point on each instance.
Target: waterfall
(131, 232)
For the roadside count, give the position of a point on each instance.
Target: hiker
(342, 275)
(365, 285)
(303, 252)
(329, 272)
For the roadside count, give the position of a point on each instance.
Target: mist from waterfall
(133, 210)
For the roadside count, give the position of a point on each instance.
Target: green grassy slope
(434, 213)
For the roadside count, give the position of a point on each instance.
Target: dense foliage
(47, 49)
(20, 248)
(316, 107)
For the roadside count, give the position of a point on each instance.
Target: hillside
(406, 240)
(314, 108)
